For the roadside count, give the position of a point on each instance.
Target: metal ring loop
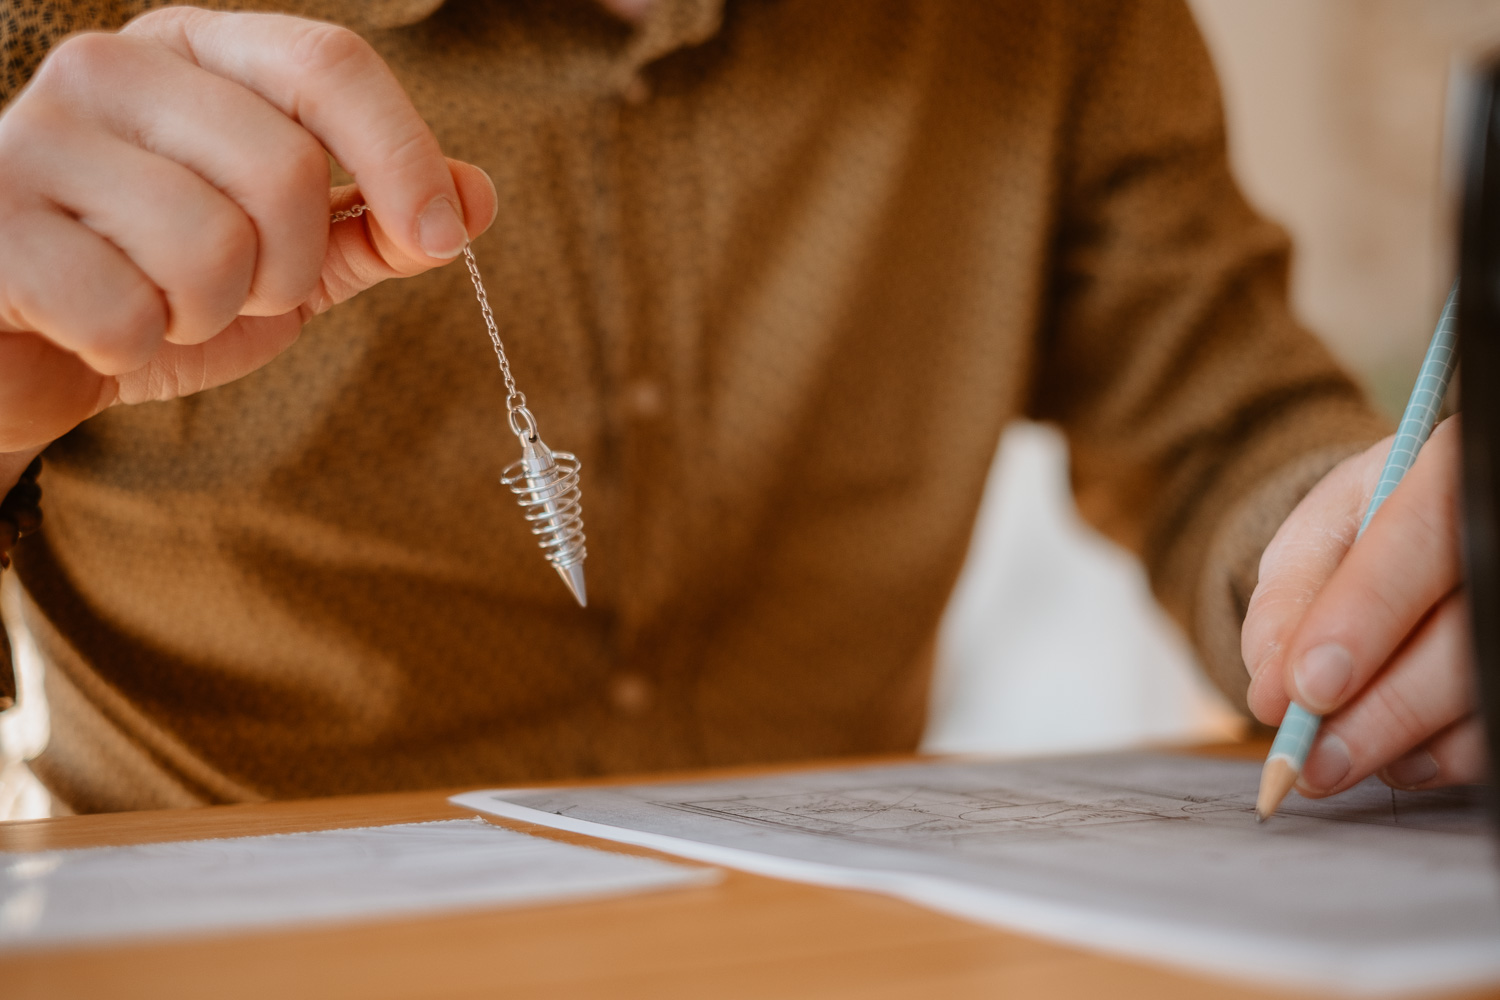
(528, 432)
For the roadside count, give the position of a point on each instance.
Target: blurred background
(1336, 112)
(1336, 115)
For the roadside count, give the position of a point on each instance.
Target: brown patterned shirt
(779, 272)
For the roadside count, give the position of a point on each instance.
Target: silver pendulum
(545, 482)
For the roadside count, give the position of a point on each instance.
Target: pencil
(1300, 727)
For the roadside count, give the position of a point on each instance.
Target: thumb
(249, 343)
(361, 253)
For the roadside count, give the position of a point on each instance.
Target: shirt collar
(671, 25)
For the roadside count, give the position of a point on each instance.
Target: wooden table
(746, 936)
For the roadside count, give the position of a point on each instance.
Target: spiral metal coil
(545, 484)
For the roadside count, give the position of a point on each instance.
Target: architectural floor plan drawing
(917, 814)
(1153, 855)
(970, 821)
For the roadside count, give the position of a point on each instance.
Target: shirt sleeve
(1197, 410)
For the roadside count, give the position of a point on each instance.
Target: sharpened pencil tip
(1276, 779)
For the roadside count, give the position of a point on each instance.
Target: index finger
(1295, 566)
(1404, 566)
(332, 82)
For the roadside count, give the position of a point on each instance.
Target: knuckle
(228, 238)
(22, 301)
(130, 333)
(154, 21)
(304, 165)
(27, 128)
(1382, 611)
(1461, 755)
(294, 175)
(1439, 526)
(1426, 505)
(1270, 618)
(297, 187)
(84, 62)
(225, 256)
(141, 319)
(407, 147)
(1401, 720)
(1257, 634)
(327, 49)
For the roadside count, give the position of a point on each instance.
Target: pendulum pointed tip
(572, 578)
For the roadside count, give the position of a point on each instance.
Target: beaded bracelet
(20, 511)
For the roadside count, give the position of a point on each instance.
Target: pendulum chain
(544, 482)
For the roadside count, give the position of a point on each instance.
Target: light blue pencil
(1300, 727)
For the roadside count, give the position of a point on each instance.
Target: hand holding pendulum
(545, 482)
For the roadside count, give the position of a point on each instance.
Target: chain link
(521, 420)
(515, 400)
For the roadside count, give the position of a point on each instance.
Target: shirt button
(630, 693)
(644, 399)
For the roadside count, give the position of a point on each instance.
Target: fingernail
(1322, 676)
(1327, 765)
(440, 231)
(1412, 770)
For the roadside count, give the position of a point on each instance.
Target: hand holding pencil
(1372, 637)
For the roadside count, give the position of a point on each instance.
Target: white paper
(109, 893)
(1148, 855)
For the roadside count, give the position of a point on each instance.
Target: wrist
(13, 464)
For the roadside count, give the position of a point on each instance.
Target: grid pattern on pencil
(1295, 736)
(1299, 727)
(1422, 410)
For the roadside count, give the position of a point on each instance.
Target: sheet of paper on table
(192, 887)
(1154, 856)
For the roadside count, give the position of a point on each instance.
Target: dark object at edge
(1479, 394)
